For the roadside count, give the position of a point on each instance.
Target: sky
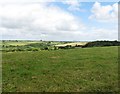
(64, 20)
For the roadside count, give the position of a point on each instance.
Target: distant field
(73, 70)
(73, 44)
(17, 45)
(20, 43)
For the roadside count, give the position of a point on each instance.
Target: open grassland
(73, 70)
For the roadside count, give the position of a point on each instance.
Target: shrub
(13, 50)
(29, 49)
(19, 49)
(35, 50)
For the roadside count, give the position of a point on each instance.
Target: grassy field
(73, 70)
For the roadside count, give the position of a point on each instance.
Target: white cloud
(40, 21)
(22, 20)
(107, 13)
(24, 1)
(74, 5)
(102, 34)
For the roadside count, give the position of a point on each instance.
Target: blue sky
(84, 15)
(65, 20)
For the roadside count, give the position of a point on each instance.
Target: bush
(46, 48)
(29, 49)
(35, 50)
(13, 50)
(69, 47)
(19, 49)
(56, 48)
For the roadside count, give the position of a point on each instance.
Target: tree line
(101, 44)
(49, 46)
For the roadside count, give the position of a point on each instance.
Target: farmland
(12, 46)
(73, 70)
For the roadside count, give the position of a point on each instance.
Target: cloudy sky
(65, 20)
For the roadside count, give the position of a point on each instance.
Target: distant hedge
(102, 43)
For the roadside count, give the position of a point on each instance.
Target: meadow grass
(72, 70)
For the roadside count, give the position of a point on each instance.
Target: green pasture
(72, 70)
